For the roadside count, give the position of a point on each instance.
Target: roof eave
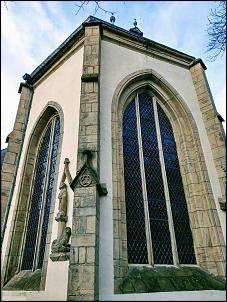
(57, 54)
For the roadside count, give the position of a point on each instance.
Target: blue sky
(31, 30)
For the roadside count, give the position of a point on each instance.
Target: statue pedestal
(60, 256)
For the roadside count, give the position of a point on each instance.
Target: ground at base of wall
(167, 279)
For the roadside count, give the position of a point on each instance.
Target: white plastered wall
(117, 62)
(63, 87)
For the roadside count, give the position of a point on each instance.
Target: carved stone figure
(62, 243)
(62, 196)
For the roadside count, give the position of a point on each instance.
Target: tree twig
(217, 31)
(97, 7)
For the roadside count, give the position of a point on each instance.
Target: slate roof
(55, 55)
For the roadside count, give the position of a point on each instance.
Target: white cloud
(29, 35)
(31, 30)
(10, 101)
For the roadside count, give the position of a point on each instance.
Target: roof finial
(135, 23)
(112, 18)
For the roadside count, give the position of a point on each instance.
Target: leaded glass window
(41, 196)
(157, 221)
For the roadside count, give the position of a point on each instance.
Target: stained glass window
(137, 244)
(41, 196)
(176, 191)
(150, 156)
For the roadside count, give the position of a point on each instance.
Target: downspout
(17, 163)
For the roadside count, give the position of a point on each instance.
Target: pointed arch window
(158, 227)
(41, 196)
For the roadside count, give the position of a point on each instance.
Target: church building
(113, 181)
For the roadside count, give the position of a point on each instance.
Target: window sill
(25, 281)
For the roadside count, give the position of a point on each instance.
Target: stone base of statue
(60, 256)
(60, 247)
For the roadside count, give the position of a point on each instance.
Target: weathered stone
(91, 224)
(83, 278)
(90, 255)
(62, 243)
(82, 254)
(162, 279)
(61, 256)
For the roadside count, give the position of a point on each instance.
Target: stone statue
(62, 243)
(62, 196)
(60, 247)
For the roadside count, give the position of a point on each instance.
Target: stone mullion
(84, 253)
(213, 126)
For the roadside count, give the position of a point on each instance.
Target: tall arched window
(158, 228)
(40, 196)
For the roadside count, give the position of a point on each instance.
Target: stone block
(86, 211)
(73, 280)
(95, 31)
(90, 69)
(8, 168)
(8, 177)
(5, 190)
(94, 107)
(19, 126)
(91, 224)
(90, 255)
(96, 69)
(221, 268)
(10, 158)
(202, 240)
(89, 87)
(95, 49)
(87, 50)
(88, 31)
(88, 106)
(16, 136)
(92, 40)
(13, 147)
(88, 119)
(216, 236)
(82, 254)
(91, 130)
(80, 225)
(86, 277)
(83, 240)
(74, 254)
(89, 98)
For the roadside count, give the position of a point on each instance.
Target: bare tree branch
(97, 7)
(81, 6)
(5, 4)
(217, 31)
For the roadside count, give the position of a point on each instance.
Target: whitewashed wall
(63, 87)
(117, 62)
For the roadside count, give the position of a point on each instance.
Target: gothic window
(157, 221)
(41, 196)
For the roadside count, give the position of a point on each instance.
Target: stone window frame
(198, 192)
(12, 261)
(51, 121)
